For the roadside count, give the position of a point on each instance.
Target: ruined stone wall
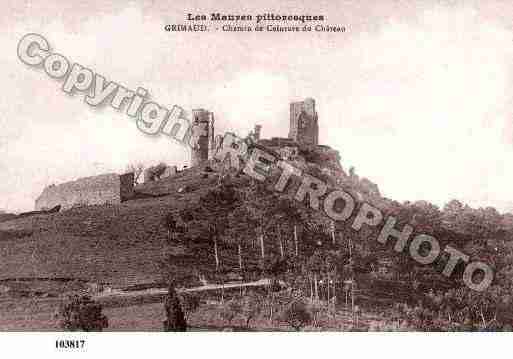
(126, 186)
(158, 172)
(103, 189)
(170, 171)
(289, 152)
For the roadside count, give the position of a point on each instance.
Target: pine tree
(175, 317)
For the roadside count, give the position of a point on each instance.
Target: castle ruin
(257, 131)
(304, 127)
(112, 188)
(202, 136)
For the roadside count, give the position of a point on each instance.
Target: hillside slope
(109, 243)
(120, 244)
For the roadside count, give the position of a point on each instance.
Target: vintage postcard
(265, 166)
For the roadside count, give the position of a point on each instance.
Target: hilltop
(123, 243)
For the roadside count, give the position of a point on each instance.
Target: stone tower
(304, 127)
(257, 131)
(203, 134)
(211, 138)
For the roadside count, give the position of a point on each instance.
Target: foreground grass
(39, 315)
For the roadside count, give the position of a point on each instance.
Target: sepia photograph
(273, 166)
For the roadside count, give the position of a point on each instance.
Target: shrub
(79, 312)
(297, 315)
(175, 318)
(316, 310)
(250, 307)
(190, 303)
(229, 310)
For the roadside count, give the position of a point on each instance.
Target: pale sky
(416, 95)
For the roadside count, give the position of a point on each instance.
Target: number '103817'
(69, 344)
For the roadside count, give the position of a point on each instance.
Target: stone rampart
(108, 188)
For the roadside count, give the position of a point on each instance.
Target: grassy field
(39, 315)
